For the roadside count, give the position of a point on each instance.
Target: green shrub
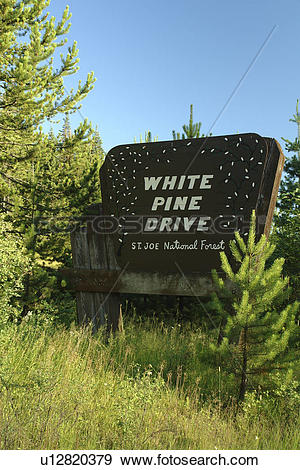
(13, 267)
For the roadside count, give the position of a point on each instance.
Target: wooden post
(92, 250)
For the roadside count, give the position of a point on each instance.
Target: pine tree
(257, 334)
(58, 184)
(31, 90)
(190, 131)
(287, 220)
(66, 132)
(13, 268)
(42, 178)
(147, 138)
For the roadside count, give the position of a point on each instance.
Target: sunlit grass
(152, 387)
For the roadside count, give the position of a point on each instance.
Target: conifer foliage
(257, 333)
(287, 220)
(31, 89)
(190, 131)
(13, 266)
(44, 179)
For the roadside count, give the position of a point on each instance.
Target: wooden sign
(173, 206)
(168, 209)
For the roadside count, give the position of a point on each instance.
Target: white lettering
(204, 182)
(188, 222)
(151, 182)
(166, 223)
(169, 182)
(176, 224)
(158, 201)
(192, 179)
(181, 182)
(193, 203)
(151, 224)
(168, 203)
(180, 203)
(202, 224)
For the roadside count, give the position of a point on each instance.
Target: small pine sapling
(256, 332)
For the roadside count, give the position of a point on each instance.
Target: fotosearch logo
(149, 224)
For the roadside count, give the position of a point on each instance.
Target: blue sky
(153, 59)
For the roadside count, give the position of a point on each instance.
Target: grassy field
(151, 387)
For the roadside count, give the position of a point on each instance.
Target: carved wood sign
(174, 205)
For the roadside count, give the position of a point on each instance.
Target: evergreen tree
(257, 334)
(13, 267)
(190, 131)
(56, 187)
(66, 132)
(42, 178)
(96, 147)
(31, 90)
(147, 138)
(287, 220)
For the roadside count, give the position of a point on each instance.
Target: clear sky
(152, 59)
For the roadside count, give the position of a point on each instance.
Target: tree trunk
(243, 347)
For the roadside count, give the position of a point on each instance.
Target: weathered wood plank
(138, 282)
(274, 189)
(89, 250)
(81, 260)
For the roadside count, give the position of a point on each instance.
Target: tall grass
(145, 389)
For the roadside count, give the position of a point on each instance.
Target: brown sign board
(173, 206)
